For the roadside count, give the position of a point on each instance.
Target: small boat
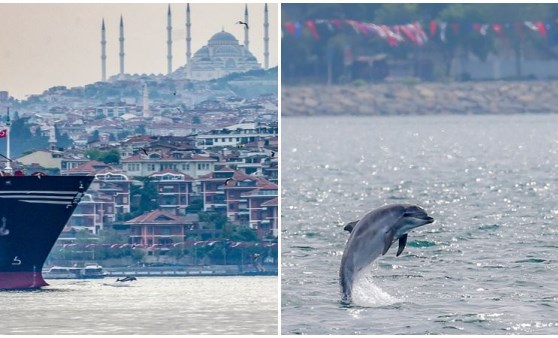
(61, 272)
(92, 271)
(87, 272)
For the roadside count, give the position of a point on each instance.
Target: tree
(148, 196)
(22, 139)
(94, 137)
(110, 157)
(62, 140)
(240, 233)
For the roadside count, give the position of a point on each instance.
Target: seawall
(495, 97)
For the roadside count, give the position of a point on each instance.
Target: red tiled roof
(157, 217)
(90, 167)
(270, 203)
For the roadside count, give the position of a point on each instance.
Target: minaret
(8, 167)
(121, 46)
(103, 53)
(146, 111)
(52, 138)
(246, 42)
(188, 37)
(266, 38)
(169, 42)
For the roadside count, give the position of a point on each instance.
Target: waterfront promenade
(421, 98)
(184, 271)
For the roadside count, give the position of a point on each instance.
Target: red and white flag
(3, 133)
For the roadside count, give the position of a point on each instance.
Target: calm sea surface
(489, 263)
(204, 305)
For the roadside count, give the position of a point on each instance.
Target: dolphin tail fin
(402, 243)
(349, 227)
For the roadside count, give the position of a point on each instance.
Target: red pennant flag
(289, 26)
(3, 133)
(312, 28)
(433, 27)
(497, 28)
(542, 29)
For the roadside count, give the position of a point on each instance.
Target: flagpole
(8, 169)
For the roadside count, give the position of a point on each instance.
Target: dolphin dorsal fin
(402, 243)
(349, 227)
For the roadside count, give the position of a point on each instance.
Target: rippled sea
(204, 305)
(489, 263)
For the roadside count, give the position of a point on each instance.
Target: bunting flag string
(413, 32)
(229, 244)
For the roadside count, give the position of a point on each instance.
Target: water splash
(366, 293)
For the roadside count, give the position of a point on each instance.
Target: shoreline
(421, 98)
(185, 271)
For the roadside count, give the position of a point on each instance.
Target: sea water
(150, 305)
(489, 263)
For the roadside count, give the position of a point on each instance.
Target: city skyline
(29, 28)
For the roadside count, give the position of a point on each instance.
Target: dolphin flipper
(349, 227)
(402, 243)
(388, 239)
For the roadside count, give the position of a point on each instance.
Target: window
(133, 167)
(203, 166)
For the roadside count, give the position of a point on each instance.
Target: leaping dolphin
(373, 235)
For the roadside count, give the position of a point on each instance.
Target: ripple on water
(421, 244)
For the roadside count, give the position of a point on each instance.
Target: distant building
(92, 213)
(4, 95)
(115, 186)
(87, 168)
(44, 158)
(263, 209)
(194, 165)
(235, 135)
(108, 195)
(157, 230)
(173, 191)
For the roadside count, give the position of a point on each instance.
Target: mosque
(223, 54)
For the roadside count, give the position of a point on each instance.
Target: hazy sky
(45, 45)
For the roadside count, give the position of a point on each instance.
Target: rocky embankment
(498, 97)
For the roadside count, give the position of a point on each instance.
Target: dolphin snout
(428, 219)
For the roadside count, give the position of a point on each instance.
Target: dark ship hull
(33, 212)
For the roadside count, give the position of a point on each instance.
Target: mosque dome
(227, 51)
(222, 38)
(202, 52)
